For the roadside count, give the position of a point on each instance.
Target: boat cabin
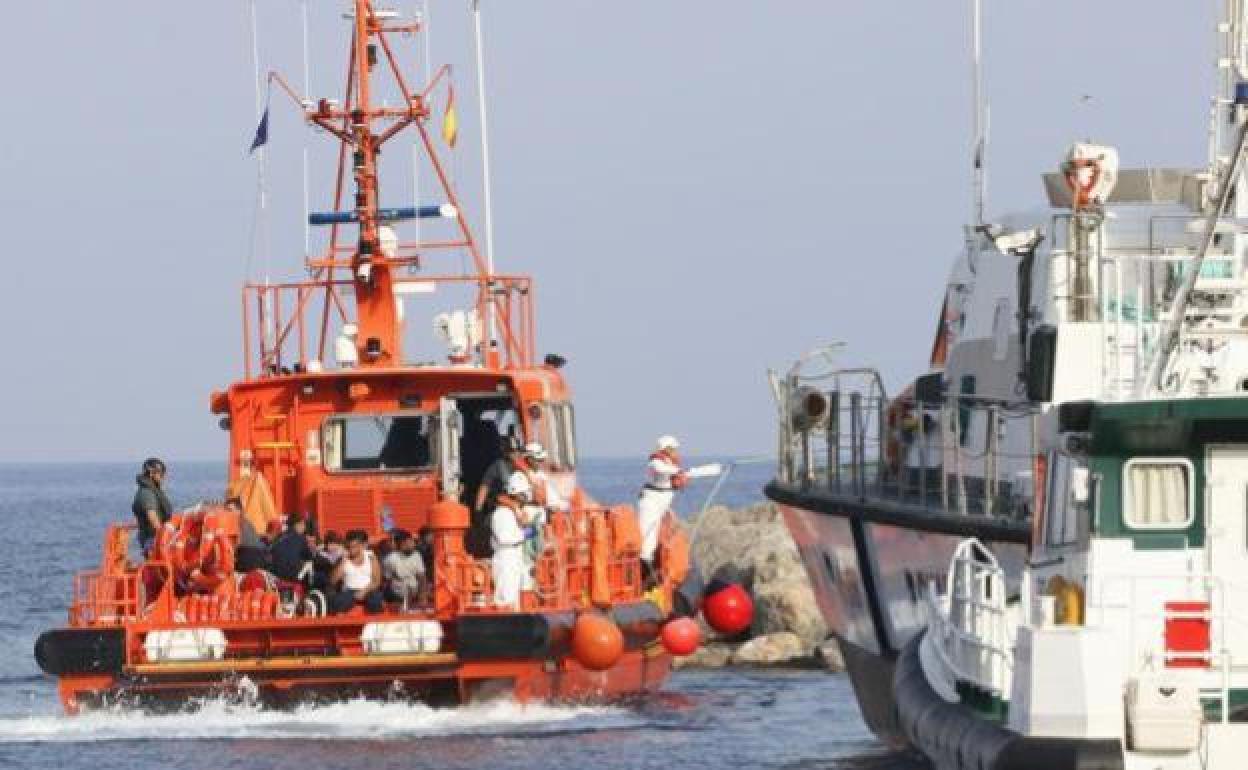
(373, 449)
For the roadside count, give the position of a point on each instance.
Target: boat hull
(437, 682)
(526, 656)
(871, 565)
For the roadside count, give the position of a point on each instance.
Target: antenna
(490, 338)
(979, 117)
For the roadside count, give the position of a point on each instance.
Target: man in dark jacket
(290, 553)
(151, 505)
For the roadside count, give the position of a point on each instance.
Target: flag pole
(485, 172)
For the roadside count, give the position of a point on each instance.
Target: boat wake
(350, 720)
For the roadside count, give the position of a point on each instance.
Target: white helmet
(518, 486)
(668, 442)
(535, 450)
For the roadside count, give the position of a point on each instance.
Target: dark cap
(153, 464)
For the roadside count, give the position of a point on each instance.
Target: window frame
(1128, 501)
(1068, 526)
(343, 417)
(567, 437)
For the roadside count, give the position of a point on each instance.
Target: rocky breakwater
(752, 547)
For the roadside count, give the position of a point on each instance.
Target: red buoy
(681, 636)
(597, 643)
(729, 609)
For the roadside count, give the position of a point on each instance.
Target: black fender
(69, 651)
(952, 735)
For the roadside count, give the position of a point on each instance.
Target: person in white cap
(507, 525)
(544, 491)
(665, 475)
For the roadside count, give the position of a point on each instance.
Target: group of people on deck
(519, 496)
(516, 498)
(343, 568)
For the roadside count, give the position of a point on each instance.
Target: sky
(701, 189)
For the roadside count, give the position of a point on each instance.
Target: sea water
(54, 517)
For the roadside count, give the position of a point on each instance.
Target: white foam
(350, 720)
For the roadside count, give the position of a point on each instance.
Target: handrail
(971, 633)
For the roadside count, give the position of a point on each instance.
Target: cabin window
(567, 426)
(394, 442)
(1072, 490)
(1157, 493)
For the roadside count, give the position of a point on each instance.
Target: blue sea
(54, 517)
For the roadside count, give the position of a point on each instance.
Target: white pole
(980, 148)
(307, 90)
(262, 160)
(485, 167)
(425, 74)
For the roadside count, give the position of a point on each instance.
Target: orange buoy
(597, 643)
(681, 636)
(728, 608)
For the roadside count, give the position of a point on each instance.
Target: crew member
(492, 485)
(507, 525)
(544, 492)
(359, 576)
(495, 479)
(664, 476)
(404, 570)
(151, 507)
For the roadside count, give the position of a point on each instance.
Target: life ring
(166, 536)
(214, 564)
(1081, 191)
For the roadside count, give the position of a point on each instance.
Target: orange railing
(286, 326)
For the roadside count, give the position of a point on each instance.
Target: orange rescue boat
(371, 441)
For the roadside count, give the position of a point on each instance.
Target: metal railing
(964, 453)
(968, 626)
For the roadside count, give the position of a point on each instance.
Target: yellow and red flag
(450, 118)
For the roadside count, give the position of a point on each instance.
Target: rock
(770, 650)
(789, 606)
(828, 655)
(751, 546)
(711, 655)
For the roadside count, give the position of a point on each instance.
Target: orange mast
(373, 259)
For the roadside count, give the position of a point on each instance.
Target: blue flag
(262, 131)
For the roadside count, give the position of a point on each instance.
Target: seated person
(290, 556)
(357, 577)
(252, 553)
(424, 547)
(404, 570)
(327, 557)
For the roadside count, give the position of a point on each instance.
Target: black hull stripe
(899, 514)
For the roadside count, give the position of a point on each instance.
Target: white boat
(1035, 555)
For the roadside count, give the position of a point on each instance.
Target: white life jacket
(505, 529)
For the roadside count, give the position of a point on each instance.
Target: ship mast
(379, 330)
(364, 126)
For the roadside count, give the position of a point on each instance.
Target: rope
(719, 483)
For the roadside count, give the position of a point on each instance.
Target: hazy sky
(701, 189)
